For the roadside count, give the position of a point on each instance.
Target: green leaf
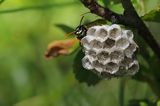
(158, 103)
(153, 15)
(1, 1)
(143, 102)
(110, 2)
(65, 28)
(81, 74)
(114, 5)
(96, 22)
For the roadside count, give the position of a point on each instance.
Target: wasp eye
(79, 30)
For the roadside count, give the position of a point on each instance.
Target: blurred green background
(27, 78)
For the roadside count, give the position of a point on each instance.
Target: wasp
(81, 30)
(63, 47)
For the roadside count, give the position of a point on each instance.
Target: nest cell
(133, 68)
(126, 62)
(129, 51)
(122, 71)
(85, 42)
(86, 63)
(111, 67)
(98, 66)
(122, 43)
(103, 57)
(96, 44)
(117, 56)
(102, 33)
(91, 31)
(91, 53)
(114, 31)
(129, 34)
(108, 43)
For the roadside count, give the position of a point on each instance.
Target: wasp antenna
(83, 17)
(69, 34)
(81, 20)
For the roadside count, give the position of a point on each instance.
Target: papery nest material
(110, 50)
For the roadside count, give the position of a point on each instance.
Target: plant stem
(121, 91)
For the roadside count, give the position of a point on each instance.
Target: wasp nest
(110, 51)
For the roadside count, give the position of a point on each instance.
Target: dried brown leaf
(60, 47)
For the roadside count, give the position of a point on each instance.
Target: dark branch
(130, 18)
(128, 7)
(101, 11)
(130, 13)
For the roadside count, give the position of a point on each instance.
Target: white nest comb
(110, 51)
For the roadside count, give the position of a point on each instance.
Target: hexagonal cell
(98, 66)
(96, 44)
(91, 53)
(108, 43)
(111, 67)
(121, 72)
(122, 43)
(103, 57)
(129, 34)
(106, 75)
(130, 50)
(91, 31)
(126, 62)
(102, 33)
(87, 38)
(133, 69)
(116, 56)
(86, 63)
(85, 41)
(114, 31)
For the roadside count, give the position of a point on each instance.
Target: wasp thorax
(109, 50)
(80, 31)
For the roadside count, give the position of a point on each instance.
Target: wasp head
(80, 31)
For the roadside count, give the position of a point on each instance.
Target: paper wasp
(81, 30)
